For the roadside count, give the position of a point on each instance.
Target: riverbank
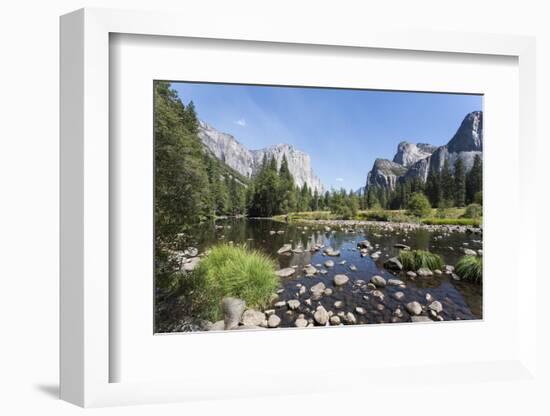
(404, 223)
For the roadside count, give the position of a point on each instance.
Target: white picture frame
(86, 356)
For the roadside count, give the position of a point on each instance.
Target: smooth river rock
(340, 279)
(274, 321)
(378, 281)
(393, 263)
(318, 288)
(300, 323)
(233, 309)
(191, 264)
(350, 318)
(285, 248)
(399, 295)
(436, 306)
(286, 272)
(335, 320)
(414, 308)
(309, 270)
(321, 315)
(253, 317)
(329, 264)
(424, 272)
(329, 251)
(293, 304)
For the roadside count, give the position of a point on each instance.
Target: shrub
(419, 205)
(417, 259)
(473, 211)
(344, 212)
(234, 271)
(470, 268)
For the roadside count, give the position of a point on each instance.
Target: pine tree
(459, 183)
(326, 202)
(265, 202)
(447, 185)
(315, 201)
(474, 180)
(382, 197)
(305, 198)
(353, 204)
(372, 198)
(286, 193)
(433, 187)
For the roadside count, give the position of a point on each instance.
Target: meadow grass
(470, 268)
(447, 216)
(234, 271)
(417, 259)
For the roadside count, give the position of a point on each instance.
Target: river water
(461, 300)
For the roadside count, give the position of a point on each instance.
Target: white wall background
(29, 205)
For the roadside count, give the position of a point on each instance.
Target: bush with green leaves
(234, 271)
(419, 205)
(473, 211)
(470, 268)
(418, 259)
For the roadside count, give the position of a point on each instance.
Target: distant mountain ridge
(418, 160)
(247, 162)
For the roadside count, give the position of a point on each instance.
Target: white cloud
(339, 179)
(241, 122)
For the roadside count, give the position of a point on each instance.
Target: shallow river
(460, 300)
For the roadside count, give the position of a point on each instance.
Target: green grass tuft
(417, 259)
(470, 268)
(235, 271)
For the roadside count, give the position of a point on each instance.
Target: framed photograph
(282, 237)
(229, 202)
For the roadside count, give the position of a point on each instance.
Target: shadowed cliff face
(418, 160)
(247, 162)
(469, 136)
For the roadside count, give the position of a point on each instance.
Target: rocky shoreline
(392, 226)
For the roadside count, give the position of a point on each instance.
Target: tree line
(273, 192)
(444, 189)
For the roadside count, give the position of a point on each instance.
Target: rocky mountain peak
(247, 162)
(469, 136)
(410, 153)
(418, 160)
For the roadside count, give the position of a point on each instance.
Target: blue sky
(343, 131)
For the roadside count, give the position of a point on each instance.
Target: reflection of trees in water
(473, 296)
(338, 239)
